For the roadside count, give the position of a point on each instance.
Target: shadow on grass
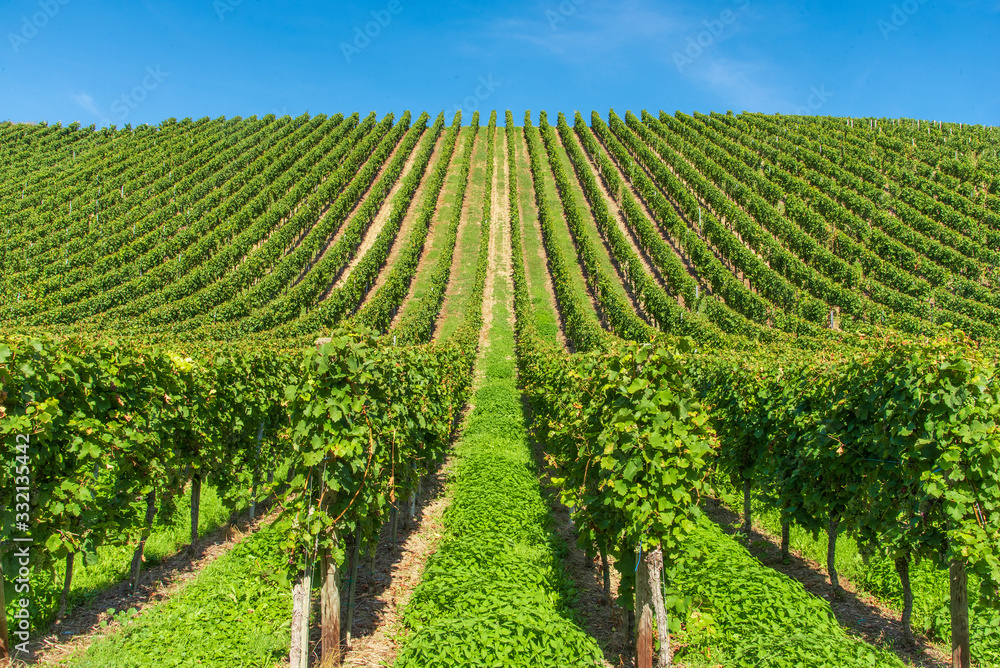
(603, 620)
(372, 584)
(860, 615)
(90, 615)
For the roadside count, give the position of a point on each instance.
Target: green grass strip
(877, 576)
(231, 615)
(494, 593)
(747, 615)
(171, 531)
(461, 273)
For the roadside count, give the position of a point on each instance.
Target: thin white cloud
(739, 83)
(714, 51)
(579, 32)
(87, 102)
(597, 34)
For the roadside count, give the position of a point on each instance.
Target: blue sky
(108, 61)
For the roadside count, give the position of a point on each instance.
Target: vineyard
(351, 390)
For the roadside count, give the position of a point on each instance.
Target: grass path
(494, 593)
(579, 202)
(372, 232)
(873, 600)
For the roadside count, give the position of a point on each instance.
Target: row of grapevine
(896, 445)
(840, 451)
(195, 357)
(380, 309)
(418, 323)
(612, 302)
(583, 330)
(212, 246)
(773, 271)
(870, 208)
(960, 298)
(653, 239)
(843, 249)
(44, 240)
(277, 291)
(754, 309)
(100, 429)
(343, 300)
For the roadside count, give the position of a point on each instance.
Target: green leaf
(54, 543)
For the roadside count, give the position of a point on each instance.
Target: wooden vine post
(649, 606)
(903, 570)
(959, 595)
(195, 510)
(394, 520)
(147, 528)
(67, 583)
(352, 585)
(329, 590)
(832, 530)
(607, 574)
(304, 620)
(747, 519)
(960, 655)
(330, 650)
(960, 643)
(298, 656)
(256, 472)
(643, 615)
(300, 609)
(330, 613)
(662, 631)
